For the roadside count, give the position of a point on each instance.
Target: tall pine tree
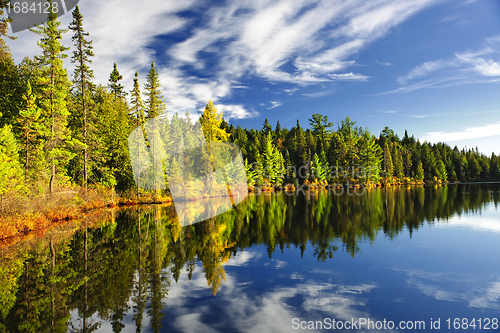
(114, 83)
(53, 85)
(82, 77)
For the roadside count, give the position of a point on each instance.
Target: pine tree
(450, 170)
(137, 112)
(474, 167)
(277, 132)
(388, 166)
(11, 179)
(53, 85)
(112, 128)
(266, 128)
(397, 161)
(320, 171)
(320, 129)
(4, 23)
(443, 175)
(155, 105)
(420, 171)
(82, 77)
(211, 121)
(31, 131)
(11, 84)
(369, 157)
(114, 83)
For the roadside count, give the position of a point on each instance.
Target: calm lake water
(278, 263)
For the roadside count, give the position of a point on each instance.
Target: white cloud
(423, 70)
(275, 105)
(468, 133)
(319, 93)
(313, 39)
(480, 66)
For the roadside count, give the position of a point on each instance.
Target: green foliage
(52, 86)
(211, 121)
(114, 83)
(251, 173)
(155, 106)
(31, 135)
(443, 174)
(11, 175)
(320, 169)
(272, 162)
(370, 156)
(388, 165)
(420, 171)
(11, 87)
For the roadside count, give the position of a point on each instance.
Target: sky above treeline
(431, 67)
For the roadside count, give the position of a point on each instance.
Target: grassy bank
(21, 215)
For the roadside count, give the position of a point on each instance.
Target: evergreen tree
(450, 170)
(474, 167)
(420, 171)
(273, 162)
(113, 125)
(210, 123)
(443, 174)
(369, 157)
(397, 160)
(11, 179)
(82, 84)
(137, 112)
(53, 86)
(31, 132)
(114, 83)
(4, 23)
(155, 106)
(11, 88)
(266, 128)
(319, 171)
(278, 133)
(320, 129)
(388, 166)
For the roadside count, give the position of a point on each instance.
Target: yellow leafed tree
(210, 122)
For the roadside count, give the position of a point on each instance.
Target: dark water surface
(277, 263)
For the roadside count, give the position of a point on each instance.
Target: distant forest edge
(58, 131)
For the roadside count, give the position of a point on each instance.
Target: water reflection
(141, 268)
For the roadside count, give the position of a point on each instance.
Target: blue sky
(431, 67)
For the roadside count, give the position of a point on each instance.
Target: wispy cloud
(384, 63)
(468, 133)
(304, 42)
(480, 66)
(319, 93)
(275, 105)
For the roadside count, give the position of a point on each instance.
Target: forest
(62, 133)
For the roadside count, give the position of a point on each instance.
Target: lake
(421, 257)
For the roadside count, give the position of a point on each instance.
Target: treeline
(322, 154)
(60, 130)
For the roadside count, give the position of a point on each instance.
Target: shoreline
(38, 223)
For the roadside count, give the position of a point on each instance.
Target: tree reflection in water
(75, 280)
